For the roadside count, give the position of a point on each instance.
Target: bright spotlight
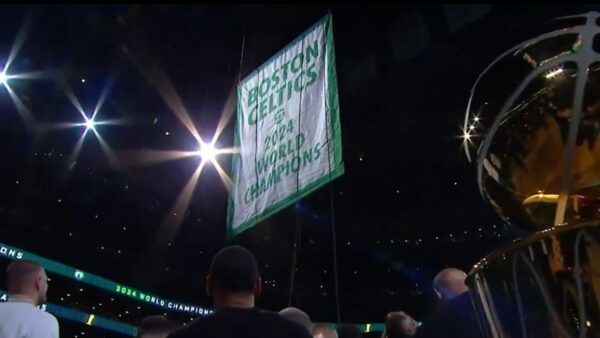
(467, 136)
(3, 77)
(208, 152)
(476, 119)
(89, 124)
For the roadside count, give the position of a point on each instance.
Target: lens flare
(90, 124)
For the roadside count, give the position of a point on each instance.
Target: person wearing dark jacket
(456, 317)
(234, 283)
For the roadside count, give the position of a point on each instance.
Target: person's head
(155, 327)
(298, 316)
(449, 283)
(400, 325)
(324, 331)
(27, 279)
(348, 331)
(233, 279)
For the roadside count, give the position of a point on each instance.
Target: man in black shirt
(233, 282)
(456, 317)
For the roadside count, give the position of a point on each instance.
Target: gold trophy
(533, 131)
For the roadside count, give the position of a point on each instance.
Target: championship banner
(288, 133)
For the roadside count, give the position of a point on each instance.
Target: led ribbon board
(115, 326)
(84, 318)
(14, 253)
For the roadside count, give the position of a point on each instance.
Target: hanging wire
(298, 232)
(331, 199)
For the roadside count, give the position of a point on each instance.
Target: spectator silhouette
(456, 317)
(234, 283)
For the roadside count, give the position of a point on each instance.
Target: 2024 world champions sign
(288, 129)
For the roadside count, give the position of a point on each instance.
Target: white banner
(288, 131)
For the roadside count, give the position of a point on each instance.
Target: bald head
(234, 269)
(450, 283)
(324, 331)
(400, 325)
(27, 278)
(298, 316)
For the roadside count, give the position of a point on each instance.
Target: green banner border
(337, 168)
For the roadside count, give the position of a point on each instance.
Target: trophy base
(545, 285)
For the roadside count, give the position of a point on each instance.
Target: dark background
(407, 206)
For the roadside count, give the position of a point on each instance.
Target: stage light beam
(90, 124)
(3, 78)
(208, 152)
